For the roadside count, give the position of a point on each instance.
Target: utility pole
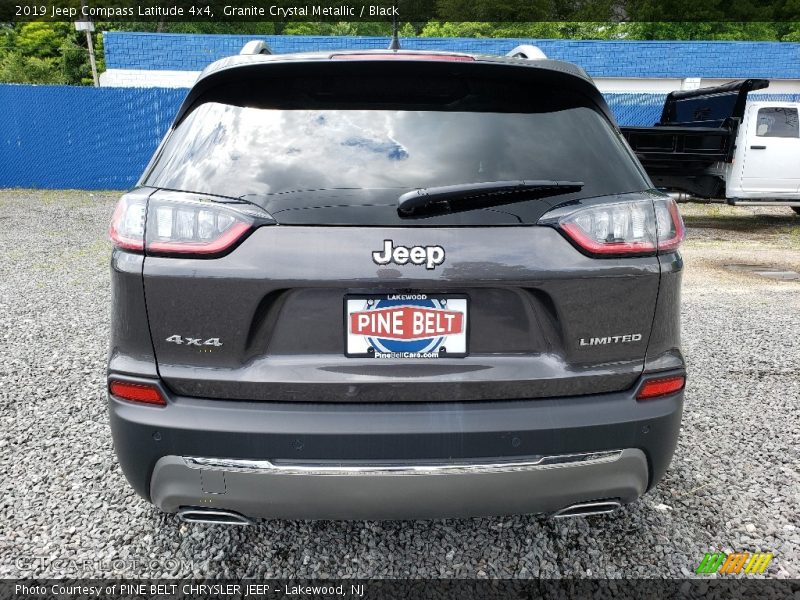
(88, 27)
(92, 60)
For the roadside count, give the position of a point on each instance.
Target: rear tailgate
(326, 149)
(541, 320)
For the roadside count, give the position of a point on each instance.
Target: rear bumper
(398, 492)
(357, 461)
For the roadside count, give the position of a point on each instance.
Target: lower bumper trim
(266, 467)
(267, 489)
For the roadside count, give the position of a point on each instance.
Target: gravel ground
(67, 510)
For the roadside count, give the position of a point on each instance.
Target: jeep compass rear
(394, 285)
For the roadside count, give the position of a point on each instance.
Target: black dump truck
(714, 144)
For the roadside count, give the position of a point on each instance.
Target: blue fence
(80, 137)
(600, 58)
(101, 138)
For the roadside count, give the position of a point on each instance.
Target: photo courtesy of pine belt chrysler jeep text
(390, 285)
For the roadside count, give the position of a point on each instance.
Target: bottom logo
(735, 562)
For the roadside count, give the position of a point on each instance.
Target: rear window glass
(264, 154)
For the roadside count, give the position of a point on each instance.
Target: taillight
(127, 224)
(621, 228)
(145, 393)
(654, 388)
(669, 223)
(171, 223)
(193, 227)
(635, 227)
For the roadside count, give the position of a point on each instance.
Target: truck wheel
(796, 209)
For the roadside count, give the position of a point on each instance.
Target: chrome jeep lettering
(430, 256)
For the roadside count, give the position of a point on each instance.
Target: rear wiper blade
(445, 199)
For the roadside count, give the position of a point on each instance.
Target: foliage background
(43, 52)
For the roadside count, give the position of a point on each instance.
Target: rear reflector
(137, 392)
(403, 56)
(661, 387)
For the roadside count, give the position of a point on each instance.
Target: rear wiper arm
(425, 202)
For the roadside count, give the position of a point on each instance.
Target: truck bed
(675, 149)
(697, 129)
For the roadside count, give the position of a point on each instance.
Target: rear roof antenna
(395, 43)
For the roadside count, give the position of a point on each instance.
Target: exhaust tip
(586, 509)
(213, 516)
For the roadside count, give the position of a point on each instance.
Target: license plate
(400, 326)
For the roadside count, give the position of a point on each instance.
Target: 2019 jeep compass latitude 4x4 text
(394, 285)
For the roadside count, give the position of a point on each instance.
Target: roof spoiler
(710, 106)
(256, 47)
(527, 51)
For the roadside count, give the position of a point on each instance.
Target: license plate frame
(358, 344)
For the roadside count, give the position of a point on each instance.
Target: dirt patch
(713, 223)
(768, 272)
(720, 237)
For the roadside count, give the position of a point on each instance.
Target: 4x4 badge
(190, 341)
(430, 256)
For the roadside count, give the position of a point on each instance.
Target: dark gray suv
(394, 285)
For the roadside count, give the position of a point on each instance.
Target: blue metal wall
(192, 52)
(80, 137)
(102, 138)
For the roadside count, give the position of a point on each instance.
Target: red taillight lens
(137, 392)
(661, 387)
(670, 225)
(403, 56)
(127, 224)
(636, 227)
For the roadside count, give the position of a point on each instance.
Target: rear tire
(796, 209)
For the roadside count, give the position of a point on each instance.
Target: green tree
(7, 35)
(542, 30)
(18, 68)
(457, 29)
(789, 32)
(702, 31)
(340, 28)
(75, 66)
(42, 40)
(409, 29)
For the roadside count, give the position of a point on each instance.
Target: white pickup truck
(712, 144)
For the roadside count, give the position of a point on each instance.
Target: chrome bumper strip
(380, 469)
